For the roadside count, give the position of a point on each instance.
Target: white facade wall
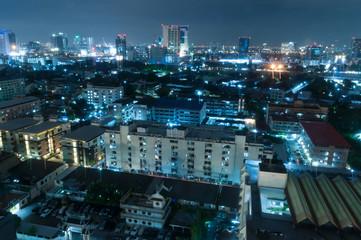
(175, 154)
(103, 95)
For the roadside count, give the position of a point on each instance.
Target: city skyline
(222, 21)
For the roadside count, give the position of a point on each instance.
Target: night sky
(272, 21)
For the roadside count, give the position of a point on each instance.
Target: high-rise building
(313, 55)
(60, 41)
(183, 41)
(356, 48)
(243, 47)
(7, 42)
(83, 44)
(287, 47)
(171, 38)
(34, 46)
(121, 45)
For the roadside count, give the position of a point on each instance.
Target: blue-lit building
(60, 42)
(179, 111)
(243, 47)
(7, 41)
(121, 45)
(356, 48)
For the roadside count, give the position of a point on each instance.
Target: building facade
(195, 152)
(323, 145)
(22, 107)
(7, 42)
(179, 111)
(84, 146)
(243, 46)
(121, 46)
(42, 140)
(8, 133)
(10, 88)
(100, 96)
(150, 211)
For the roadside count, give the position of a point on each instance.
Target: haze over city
(304, 22)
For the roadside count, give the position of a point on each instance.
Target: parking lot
(100, 222)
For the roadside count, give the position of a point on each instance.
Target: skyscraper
(356, 48)
(287, 47)
(183, 41)
(7, 42)
(243, 47)
(121, 45)
(83, 44)
(60, 41)
(171, 38)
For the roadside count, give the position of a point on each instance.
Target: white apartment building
(200, 152)
(100, 96)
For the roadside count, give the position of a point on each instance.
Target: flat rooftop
(41, 127)
(215, 133)
(19, 101)
(33, 170)
(178, 104)
(324, 134)
(85, 133)
(16, 124)
(204, 193)
(276, 168)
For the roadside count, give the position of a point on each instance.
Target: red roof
(324, 134)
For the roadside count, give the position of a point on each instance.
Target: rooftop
(276, 168)
(33, 170)
(19, 101)
(41, 127)
(204, 193)
(85, 133)
(17, 124)
(211, 133)
(324, 134)
(323, 201)
(178, 104)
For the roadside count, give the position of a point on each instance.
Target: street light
(279, 70)
(199, 93)
(273, 67)
(352, 171)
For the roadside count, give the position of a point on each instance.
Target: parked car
(102, 226)
(135, 230)
(128, 230)
(161, 234)
(46, 212)
(119, 227)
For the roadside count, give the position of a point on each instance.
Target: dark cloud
(270, 21)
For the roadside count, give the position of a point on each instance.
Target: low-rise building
(179, 111)
(272, 182)
(100, 96)
(297, 109)
(200, 152)
(284, 124)
(84, 146)
(22, 107)
(323, 145)
(12, 87)
(145, 210)
(8, 132)
(122, 109)
(41, 140)
(221, 107)
(35, 175)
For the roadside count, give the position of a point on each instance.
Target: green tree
(32, 230)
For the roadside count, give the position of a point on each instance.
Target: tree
(32, 230)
